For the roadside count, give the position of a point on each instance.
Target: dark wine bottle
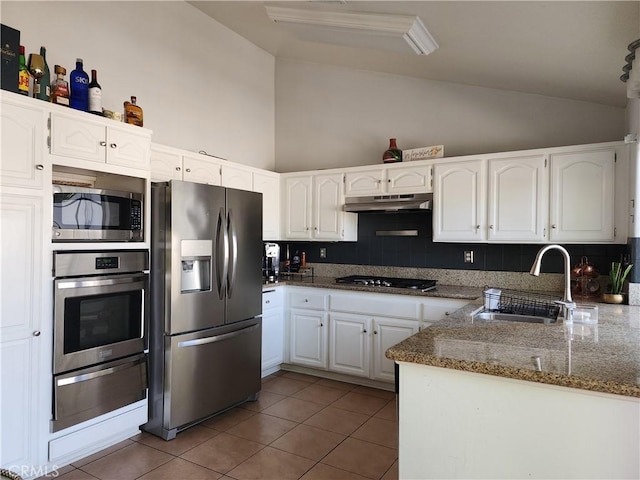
(23, 74)
(95, 94)
(393, 153)
(42, 85)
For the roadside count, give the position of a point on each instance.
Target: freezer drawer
(210, 371)
(84, 394)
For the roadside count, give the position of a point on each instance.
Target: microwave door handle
(222, 260)
(234, 255)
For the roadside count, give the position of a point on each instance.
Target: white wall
(201, 86)
(329, 117)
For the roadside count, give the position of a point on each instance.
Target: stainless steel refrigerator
(206, 296)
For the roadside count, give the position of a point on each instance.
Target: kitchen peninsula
(512, 400)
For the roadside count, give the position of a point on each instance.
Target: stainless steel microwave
(83, 214)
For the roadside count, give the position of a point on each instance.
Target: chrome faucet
(567, 301)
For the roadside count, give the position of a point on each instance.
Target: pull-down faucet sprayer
(567, 301)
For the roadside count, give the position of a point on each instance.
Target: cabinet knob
(306, 300)
(477, 227)
(554, 226)
(36, 333)
(447, 313)
(490, 227)
(315, 228)
(375, 332)
(39, 167)
(267, 301)
(113, 145)
(103, 144)
(364, 331)
(322, 324)
(188, 170)
(178, 169)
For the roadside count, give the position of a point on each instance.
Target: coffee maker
(271, 262)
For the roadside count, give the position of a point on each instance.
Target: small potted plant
(617, 276)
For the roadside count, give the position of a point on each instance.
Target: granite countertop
(442, 291)
(603, 358)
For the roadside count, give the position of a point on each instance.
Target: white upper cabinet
(459, 201)
(169, 163)
(313, 208)
(517, 198)
(100, 141)
(201, 169)
(236, 177)
(583, 196)
(365, 182)
(22, 146)
(414, 178)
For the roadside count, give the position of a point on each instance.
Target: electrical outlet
(468, 256)
(323, 253)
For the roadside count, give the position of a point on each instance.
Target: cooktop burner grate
(412, 283)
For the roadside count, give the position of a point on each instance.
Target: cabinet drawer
(377, 304)
(434, 309)
(271, 298)
(308, 300)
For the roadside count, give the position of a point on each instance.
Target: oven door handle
(90, 376)
(99, 282)
(216, 338)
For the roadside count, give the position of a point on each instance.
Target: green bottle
(23, 74)
(42, 85)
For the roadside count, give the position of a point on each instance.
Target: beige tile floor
(302, 427)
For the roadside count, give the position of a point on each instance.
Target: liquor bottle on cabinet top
(79, 83)
(60, 87)
(41, 85)
(95, 94)
(23, 74)
(132, 112)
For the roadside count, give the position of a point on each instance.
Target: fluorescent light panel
(367, 30)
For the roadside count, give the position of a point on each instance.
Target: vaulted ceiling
(569, 49)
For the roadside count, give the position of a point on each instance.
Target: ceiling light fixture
(367, 30)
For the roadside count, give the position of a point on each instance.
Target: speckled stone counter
(448, 291)
(602, 358)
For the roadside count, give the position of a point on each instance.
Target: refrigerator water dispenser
(195, 266)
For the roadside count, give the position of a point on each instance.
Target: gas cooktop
(412, 283)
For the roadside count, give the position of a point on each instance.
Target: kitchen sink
(512, 317)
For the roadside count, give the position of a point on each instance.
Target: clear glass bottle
(393, 153)
(79, 83)
(41, 86)
(95, 94)
(23, 74)
(60, 87)
(132, 112)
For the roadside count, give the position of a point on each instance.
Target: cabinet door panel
(21, 146)
(127, 149)
(349, 344)
(583, 196)
(459, 201)
(387, 333)
(272, 338)
(297, 221)
(237, 178)
(76, 139)
(308, 341)
(269, 186)
(328, 215)
(517, 197)
(367, 182)
(165, 166)
(20, 265)
(200, 170)
(414, 179)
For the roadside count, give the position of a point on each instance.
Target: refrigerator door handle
(216, 338)
(222, 262)
(234, 255)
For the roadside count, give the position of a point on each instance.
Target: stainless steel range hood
(389, 203)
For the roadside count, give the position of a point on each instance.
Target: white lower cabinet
(272, 331)
(308, 338)
(349, 332)
(349, 344)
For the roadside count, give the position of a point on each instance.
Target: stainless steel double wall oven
(101, 301)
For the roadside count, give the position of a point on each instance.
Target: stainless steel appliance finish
(100, 307)
(271, 262)
(412, 283)
(389, 203)
(206, 303)
(87, 214)
(101, 304)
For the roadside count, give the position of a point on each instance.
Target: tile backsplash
(421, 252)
